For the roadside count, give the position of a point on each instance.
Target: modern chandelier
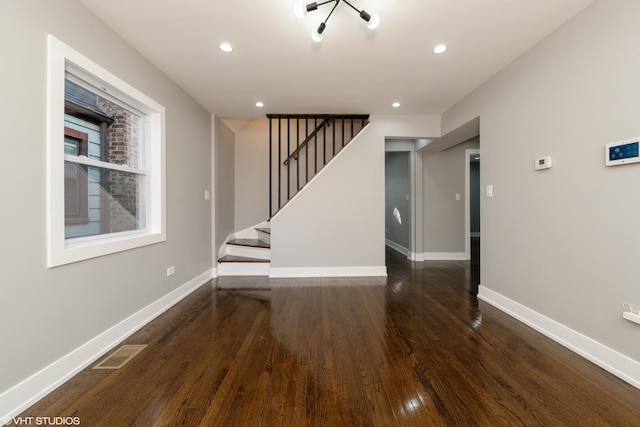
(301, 11)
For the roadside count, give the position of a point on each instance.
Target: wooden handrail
(323, 123)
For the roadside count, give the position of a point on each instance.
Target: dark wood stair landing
(253, 243)
(237, 258)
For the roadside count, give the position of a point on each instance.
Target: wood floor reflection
(416, 349)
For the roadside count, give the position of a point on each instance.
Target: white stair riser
(252, 233)
(265, 237)
(243, 268)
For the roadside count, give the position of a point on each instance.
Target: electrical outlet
(627, 313)
(207, 195)
(171, 270)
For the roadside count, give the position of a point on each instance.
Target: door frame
(411, 145)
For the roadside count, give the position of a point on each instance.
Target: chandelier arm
(334, 8)
(352, 6)
(325, 2)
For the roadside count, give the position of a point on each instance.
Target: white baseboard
(298, 272)
(416, 256)
(340, 281)
(442, 256)
(618, 364)
(399, 248)
(21, 396)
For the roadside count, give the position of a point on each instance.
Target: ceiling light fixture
(259, 104)
(225, 47)
(395, 104)
(441, 48)
(301, 11)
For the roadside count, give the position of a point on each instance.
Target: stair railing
(300, 145)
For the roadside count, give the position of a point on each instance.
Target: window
(105, 161)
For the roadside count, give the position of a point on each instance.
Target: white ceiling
(353, 70)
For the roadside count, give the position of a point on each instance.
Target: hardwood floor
(414, 350)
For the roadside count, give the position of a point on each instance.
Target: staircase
(299, 147)
(247, 253)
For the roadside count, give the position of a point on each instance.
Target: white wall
(563, 243)
(335, 225)
(48, 313)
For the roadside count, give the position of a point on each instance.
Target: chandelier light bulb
(316, 35)
(300, 10)
(374, 22)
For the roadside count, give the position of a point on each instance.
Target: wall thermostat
(622, 152)
(543, 163)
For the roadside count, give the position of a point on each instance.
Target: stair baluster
(282, 183)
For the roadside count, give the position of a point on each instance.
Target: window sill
(83, 248)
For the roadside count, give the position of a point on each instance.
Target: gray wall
(338, 219)
(252, 174)
(398, 196)
(444, 218)
(411, 145)
(225, 182)
(46, 313)
(564, 242)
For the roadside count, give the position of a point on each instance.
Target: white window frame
(60, 250)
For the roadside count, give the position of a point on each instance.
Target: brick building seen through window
(100, 200)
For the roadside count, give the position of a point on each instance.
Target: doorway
(398, 201)
(472, 215)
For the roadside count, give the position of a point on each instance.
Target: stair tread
(264, 230)
(238, 258)
(254, 243)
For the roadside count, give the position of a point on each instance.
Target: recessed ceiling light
(440, 49)
(226, 47)
(395, 104)
(259, 104)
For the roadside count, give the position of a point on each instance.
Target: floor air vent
(118, 358)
